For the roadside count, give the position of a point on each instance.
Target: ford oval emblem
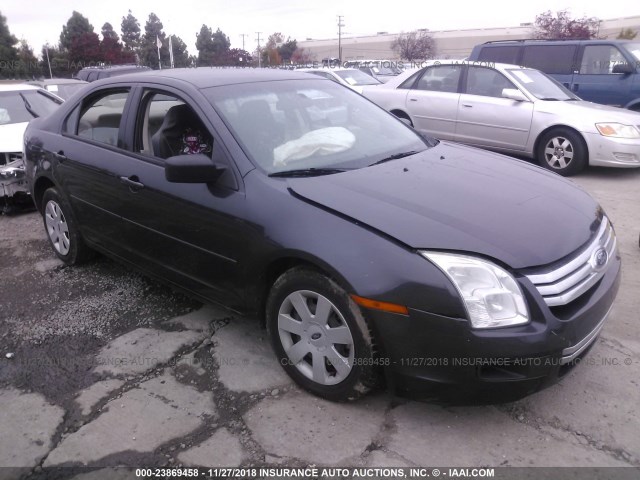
(599, 258)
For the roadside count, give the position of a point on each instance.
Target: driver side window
(170, 127)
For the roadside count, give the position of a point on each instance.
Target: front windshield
(634, 49)
(20, 106)
(356, 77)
(310, 124)
(540, 85)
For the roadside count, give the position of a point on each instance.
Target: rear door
(485, 118)
(433, 101)
(91, 158)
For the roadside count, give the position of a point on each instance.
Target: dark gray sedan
(371, 251)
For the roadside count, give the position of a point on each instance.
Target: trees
(8, 51)
(414, 46)
(130, 28)
(148, 52)
(213, 47)
(180, 55)
(627, 34)
(277, 50)
(561, 26)
(77, 25)
(28, 66)
(111, 50)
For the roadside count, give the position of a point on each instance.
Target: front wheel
(320, 336)
(562, 151)
(62, 231)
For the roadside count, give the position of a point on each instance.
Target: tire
(563, 151)
(62, 231)
(338, 365)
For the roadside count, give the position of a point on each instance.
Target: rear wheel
(61, 229)
(320, 336)
(562, 151)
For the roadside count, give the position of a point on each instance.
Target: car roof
(204, 77)
(16, 87)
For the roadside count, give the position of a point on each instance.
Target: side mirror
(514, 94)
(196, 168)
(623, 68)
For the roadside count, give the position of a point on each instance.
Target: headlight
(617, 130)
(490, 294)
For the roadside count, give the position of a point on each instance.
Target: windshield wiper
(395, 156)
(307, 172)
(27, 105)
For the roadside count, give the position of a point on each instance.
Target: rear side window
(556, 59)
(441, 78)
(503, 54)
(486, 82)
(100, 118)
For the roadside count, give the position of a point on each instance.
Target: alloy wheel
(558, 153)
(57, 227)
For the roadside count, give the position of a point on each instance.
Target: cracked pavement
(110, 368)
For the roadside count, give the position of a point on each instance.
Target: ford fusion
(375, 255)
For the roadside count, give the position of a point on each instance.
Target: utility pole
(243, 35)
(340, 25)
(259, 56)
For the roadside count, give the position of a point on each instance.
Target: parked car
(91, 74)
(18, 105)
(382, 70)
(514, 110)
(367, 248)
(350, 77)
(600, 71)
(62, 87)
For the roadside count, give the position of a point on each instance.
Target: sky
(41, 21)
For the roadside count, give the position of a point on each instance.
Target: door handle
(467, 105)
(413, 99)
(575, 87)
(60, 156)
(132, 182)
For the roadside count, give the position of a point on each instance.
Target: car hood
(458, 198)
(590, 112)
(11, 136)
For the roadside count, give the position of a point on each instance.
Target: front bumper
(612, 152)
(442, 358)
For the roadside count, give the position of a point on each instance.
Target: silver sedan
(514, 110)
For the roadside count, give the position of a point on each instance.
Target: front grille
(566, 283)
(6, 158)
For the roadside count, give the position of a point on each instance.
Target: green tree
(180, 53)
(562, 26)
(57, 59)
(27, 65)
(148, 52)
(130, 28)
(8, 51)
(204, 45)
(212, 46)
(270, 54)
(627, 34)
(76, 26)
